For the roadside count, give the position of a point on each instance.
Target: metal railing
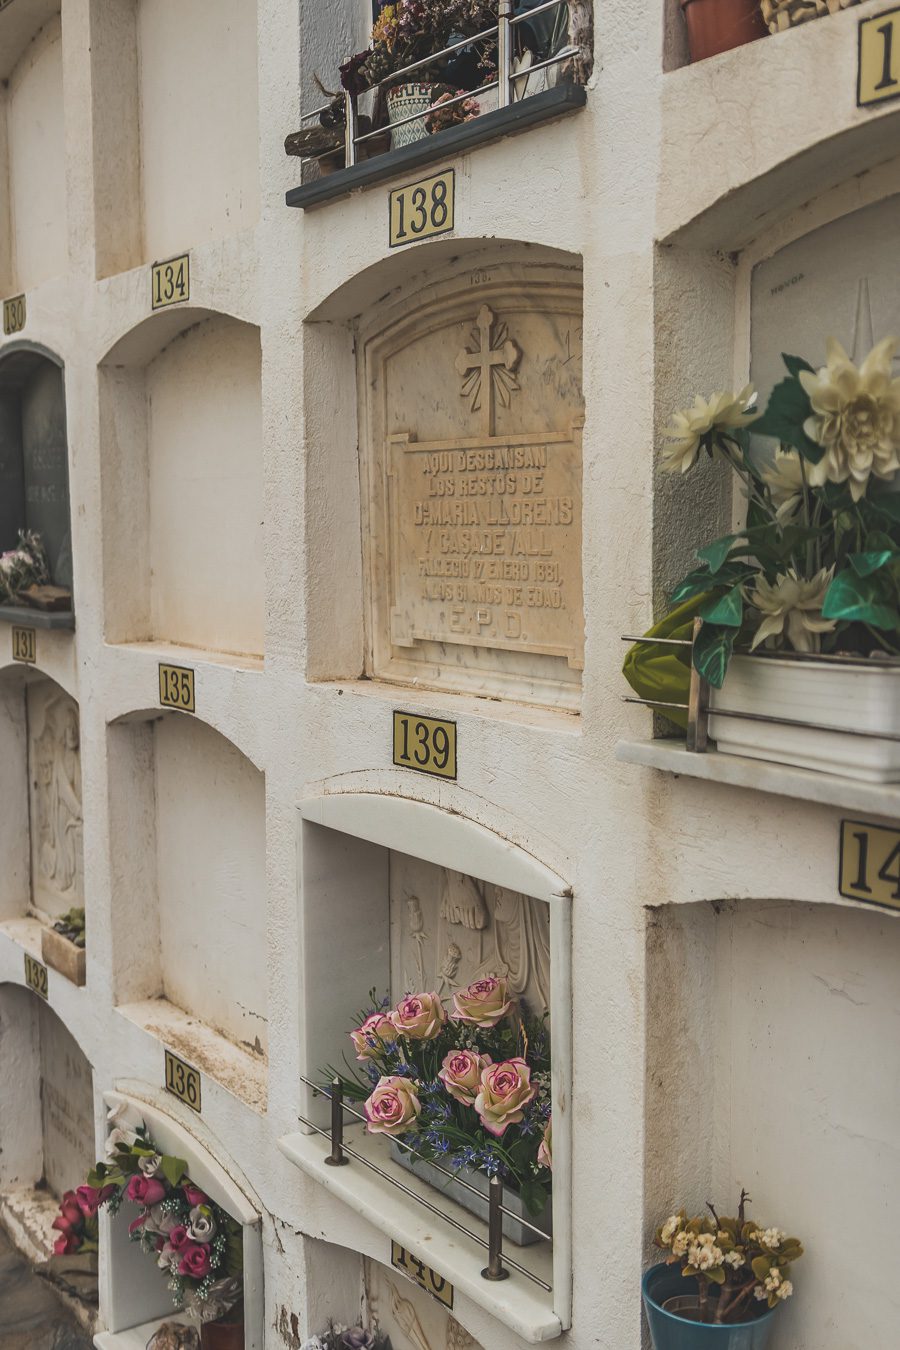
(699, 712)
(341, 1154)
(505, 83)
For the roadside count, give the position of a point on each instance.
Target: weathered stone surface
(31, 1316)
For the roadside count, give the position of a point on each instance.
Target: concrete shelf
(36, 618)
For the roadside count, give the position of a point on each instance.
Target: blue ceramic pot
(670, 1332)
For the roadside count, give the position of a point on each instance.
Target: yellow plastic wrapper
(663, 674)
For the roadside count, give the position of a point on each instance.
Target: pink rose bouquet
(506, 1090)
(461, 1074)
(376, 1031)
(484, 1003)
(393, 1108)
(419, 1017)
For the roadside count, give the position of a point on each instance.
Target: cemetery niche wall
(472, 417)
(389, 922)
(47, 1123)
(35, 523)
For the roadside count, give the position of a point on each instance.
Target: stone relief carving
(56, 801)
(449, 929)
(413, 1320)
(488, 368)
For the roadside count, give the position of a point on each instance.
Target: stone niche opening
(33, 239)
(34, 471)
(470, 420)
(41, 821)
(386, 908)
(46, 1123)
(177, 154)
(187, 826)
(134, 1296)
(181, 434)
(775, 1026)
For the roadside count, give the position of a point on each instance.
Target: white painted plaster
(36, 150)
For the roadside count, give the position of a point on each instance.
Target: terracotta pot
(718, 25)
(222, 1335)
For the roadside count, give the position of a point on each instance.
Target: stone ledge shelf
(37, 618)
(455, 140)
(761, 776)
(522, 1306)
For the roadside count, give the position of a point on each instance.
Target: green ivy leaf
(864, 564)
(173, 1169)
(851, 596)
(783, 419)
(717, 1276)
(716, 553)
(695, 583)
(727, 609)
(713, 646)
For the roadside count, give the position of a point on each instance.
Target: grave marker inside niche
(54, 761)
(46, 470)
(476, 416)
(67, 1106)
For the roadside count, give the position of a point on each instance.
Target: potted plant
(808, 593)
(338, 1337)
(782, 14)
(469, 1092)
(196, 1244)
(720, 1284)
(62, 946)
(715, 26)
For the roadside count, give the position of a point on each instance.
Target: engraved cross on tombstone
(488, 368)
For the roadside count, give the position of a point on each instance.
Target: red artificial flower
(194, 1260)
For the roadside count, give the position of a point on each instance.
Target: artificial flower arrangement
(337, 1337)
(196, 1244)
(817, 567)
(468, 1090)
(411, 30)
(749, 1264)
(72, 926)
(23, 566)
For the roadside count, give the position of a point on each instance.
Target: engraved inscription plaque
(475, 561)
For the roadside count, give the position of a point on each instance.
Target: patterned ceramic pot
(668, 1331)
(402, 101)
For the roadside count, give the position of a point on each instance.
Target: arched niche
(187, 826)
(134, 1297)
(773, 1063)
(181, 433)
(33, 239)
(46, 1122)
(412, 896)
(179, 85)
(41, 823)
(34, 465)
(468, 425)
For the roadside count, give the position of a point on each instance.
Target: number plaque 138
(422, 210)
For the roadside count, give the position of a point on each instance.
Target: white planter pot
(837, 698)
(402, 101)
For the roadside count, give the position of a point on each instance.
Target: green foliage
(713, 646)
(789, 407)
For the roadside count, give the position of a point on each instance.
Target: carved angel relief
(450, 929)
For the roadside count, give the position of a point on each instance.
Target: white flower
(760, 1293)
(773, 1279)
(734, 1259)
(856, 416)
(681, 1243)
(785, 481)
(116, 1137)
(160, 1220)
(793, 610)
(786, 1289)
(705, 1255)
(150, 1166)
(669, 1229)
(720, 414)
(313, 1344)
(125, 1117)
(201, 1225)
(771, 1238)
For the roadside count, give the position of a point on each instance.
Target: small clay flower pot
(222, 1335)
(718, 25)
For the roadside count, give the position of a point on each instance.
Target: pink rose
(137, 1223)
(90, 1198)
(145, 1190)
(505, 1091)
(194, 1260)
(193, 1195)
(419, 1017)
(393, 1107)
(484, 1003)
(66, 1245)
(178, 1236)
(461, 1074)
(545, 1151)
(370, 1039)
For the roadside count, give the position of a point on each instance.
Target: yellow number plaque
(36, 975)
(24, 645)
(422, 210)
(425, 744)
(14, 315)
(878, 78)
(176, 687)
(170, 281)
(870, 863)
(423, 1275)
(183, 1081)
